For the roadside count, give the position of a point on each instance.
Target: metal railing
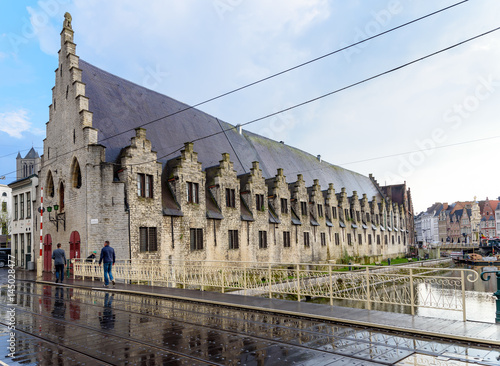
(426, 287)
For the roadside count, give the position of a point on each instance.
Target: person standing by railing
(108, 258)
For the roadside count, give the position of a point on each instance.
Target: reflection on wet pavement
(80, 326)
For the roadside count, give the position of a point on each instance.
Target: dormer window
(230, 198)
(192, 192)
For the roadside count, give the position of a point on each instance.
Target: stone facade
(150, 207)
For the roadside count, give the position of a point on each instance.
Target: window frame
(193, 192)
(149, 242)
(307, 242)
(230, 197)
(284, 205)
(196, 239)
(233, 239)
(262, 239)
(286, 239)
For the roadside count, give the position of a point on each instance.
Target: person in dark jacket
(59, 258)
(108, 258)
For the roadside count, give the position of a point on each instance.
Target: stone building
(162, 180)
(24, 219)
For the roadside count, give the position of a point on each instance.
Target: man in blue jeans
(108, 257)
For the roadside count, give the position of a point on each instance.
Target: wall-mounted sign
(94, 221)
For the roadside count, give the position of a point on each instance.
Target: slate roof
(119, 105)
(32, 154)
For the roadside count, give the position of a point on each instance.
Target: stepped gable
(118, 105)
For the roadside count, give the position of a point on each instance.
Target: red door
(47, 253)
(74, 245)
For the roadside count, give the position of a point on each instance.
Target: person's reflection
(107, 318)
(59, 305)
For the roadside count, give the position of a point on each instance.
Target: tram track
(226, 332)
(155, 308)
(108, 335)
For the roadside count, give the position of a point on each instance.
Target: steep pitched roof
(32, 154)
(119, 105)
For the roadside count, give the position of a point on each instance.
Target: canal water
(479, 300)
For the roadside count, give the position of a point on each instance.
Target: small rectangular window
(303, 208)
(16, 211)
(262, 239)
(358, 216)
(306, 239)
(149, 186)
(320, 210)
(323, 239)
(141, 182)
(360, 239)
(337, 239)
(192, 192)
(28, 205)
(284, 206)
(21, 205)
(286, 239)
(369, 239)
(148, 239)
(196, 239)
(230, 197)
(233, 239)
(334, 212)
(378, 239)
(349, 239)
(259, 202)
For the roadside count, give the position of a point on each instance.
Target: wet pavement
(63, 325)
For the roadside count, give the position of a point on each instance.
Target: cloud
(15, 123)
(41, 26)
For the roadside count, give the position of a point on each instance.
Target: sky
(432, 124)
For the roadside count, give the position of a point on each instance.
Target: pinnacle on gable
(67, 31)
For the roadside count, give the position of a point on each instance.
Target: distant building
(232, 196)
(28, 165)
(24, 219)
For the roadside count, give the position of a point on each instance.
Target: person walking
(59, 257)
(108, 258)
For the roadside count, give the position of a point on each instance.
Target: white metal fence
(429, 287)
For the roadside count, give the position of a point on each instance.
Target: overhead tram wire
(269, 77)
(288, 70)
(356, 83)
(330, 93)
(333, 92)
(399, 154)
(276, 74)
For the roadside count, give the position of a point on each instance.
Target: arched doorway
(74, 248)
(74, 245)
(47, 253)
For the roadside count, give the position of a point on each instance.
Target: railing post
(331, 283)
(368, 292)
(245, 279)
(202, 278)
(462, 275)
(269, 279)
(412, 294)
(184, 274)
(496, 294)
(223, 274)
(298, 282)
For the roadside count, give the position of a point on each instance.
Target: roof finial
(67, 20)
